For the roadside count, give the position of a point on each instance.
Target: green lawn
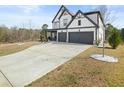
(85, 71)
(10, 48)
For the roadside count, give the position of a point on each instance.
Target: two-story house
(87, 28)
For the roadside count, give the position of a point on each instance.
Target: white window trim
(65, 22)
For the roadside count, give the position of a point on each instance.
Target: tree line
(14, 34)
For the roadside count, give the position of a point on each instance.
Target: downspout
(57, 37)
(96, 35)
(94, 38)
(67, 35)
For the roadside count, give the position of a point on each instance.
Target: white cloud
(29, 8)
(33, 13)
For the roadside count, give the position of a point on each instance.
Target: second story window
(79, 22)
(65, 21)
(56, 24)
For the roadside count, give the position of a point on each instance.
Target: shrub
(114, 38)
(43, 34)
(122, 34)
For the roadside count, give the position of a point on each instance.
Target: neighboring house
(87, 28)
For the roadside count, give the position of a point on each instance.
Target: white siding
(54, 26)
(61, 30)
(59, 23)
(101, 32)
(93, 17)
(56, 19)
(68, 17)
(77, 30)
(84, 23)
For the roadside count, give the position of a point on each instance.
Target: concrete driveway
(28, 65)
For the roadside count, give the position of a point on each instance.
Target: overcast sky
(23, 16)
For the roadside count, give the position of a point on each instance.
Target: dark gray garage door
(62, 37)
(81, 37)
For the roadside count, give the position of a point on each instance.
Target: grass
(85, 71)
(10, 48)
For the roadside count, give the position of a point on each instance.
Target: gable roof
(65, 9)
(79, 11)
(94, 12)
(85, 14)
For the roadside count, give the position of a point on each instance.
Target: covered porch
(52, 34)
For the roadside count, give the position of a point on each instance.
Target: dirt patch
(10, 48)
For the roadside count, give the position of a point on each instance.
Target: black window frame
(79, 22)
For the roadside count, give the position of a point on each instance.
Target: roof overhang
(52, 30)
(55, 30)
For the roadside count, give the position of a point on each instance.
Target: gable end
(96, 12)
(84, 16)
(65, 9)
(64, 12)
(57, 13)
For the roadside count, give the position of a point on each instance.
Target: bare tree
(15, 34)
(106, 14)
(107, 18)
(30, 24)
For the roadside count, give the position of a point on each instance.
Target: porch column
(51, 35)
(57, 37)
(94, 41)
(67, 39)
